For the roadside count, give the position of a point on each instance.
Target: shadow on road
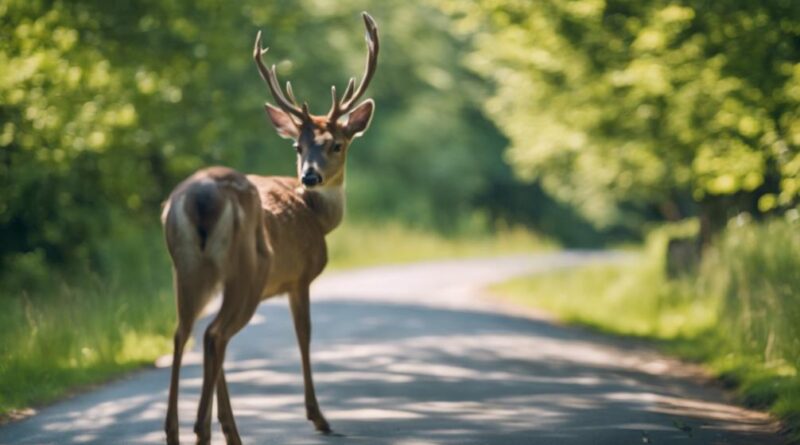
(402, 374)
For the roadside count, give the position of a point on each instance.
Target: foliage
(624, 108)
(104, 107)
(739, 315)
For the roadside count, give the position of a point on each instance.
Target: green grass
(83, 336)
(740, 315)
(609, 298)
(357, 244)
(59, 332)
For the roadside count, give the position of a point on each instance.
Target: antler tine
(277, 93)
(350, 97)
(334, 101)
(349, 90)
(290, 93)
(373, 45)
(270, 76)
(335, 110)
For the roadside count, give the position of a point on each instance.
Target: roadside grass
(65, 330)
(610, 298)
(62, 331)
(84, 336)
(739, 316)
(357, 244)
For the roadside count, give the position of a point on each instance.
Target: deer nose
(311, 178)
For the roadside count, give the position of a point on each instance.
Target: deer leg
(189, 296)
(171, 424)
(225, 412)
(238, 305)
(299, 302)
(213, 355)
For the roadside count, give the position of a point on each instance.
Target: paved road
(414, 355)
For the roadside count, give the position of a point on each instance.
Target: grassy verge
(740, 315)
(362, 244)
(84, 336)
(59, 332)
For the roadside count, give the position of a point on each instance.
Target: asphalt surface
(417, 355)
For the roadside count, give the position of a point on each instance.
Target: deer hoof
(321, 425)
(203, 438)
(231, 436)
(315, 415)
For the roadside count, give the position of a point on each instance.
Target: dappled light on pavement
(399, 373)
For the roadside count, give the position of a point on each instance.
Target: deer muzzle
(311, 178)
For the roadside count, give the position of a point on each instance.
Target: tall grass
(754, 270)
(69, 329)
(740, 314)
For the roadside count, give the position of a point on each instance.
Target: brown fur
(294, 232)
(232, 255)
(255, 237)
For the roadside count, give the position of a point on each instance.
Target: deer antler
(270, 76)
(350, 96)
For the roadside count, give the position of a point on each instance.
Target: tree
(623, 107)
(105, 106)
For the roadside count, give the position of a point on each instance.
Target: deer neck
(327, 204)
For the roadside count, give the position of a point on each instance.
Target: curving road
(414, 355)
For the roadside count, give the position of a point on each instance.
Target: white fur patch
(333, 196)
(219, 239)
(185, 228)
(188, 242)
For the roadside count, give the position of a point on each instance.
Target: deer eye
(337, 147)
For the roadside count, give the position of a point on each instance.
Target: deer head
(321, 141)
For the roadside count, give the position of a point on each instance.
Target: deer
(255, 237)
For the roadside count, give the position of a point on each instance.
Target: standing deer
(254, 237)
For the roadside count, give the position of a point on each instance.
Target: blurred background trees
(637, 111)
(582, 119)
(106, 106)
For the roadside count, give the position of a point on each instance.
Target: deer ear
(283, 123)
(358, 120)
